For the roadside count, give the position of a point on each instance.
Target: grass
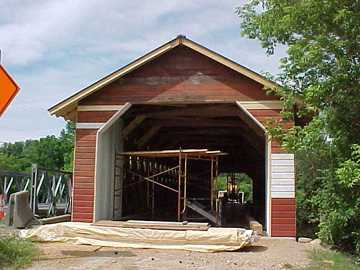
(331, 260)
(16, 253)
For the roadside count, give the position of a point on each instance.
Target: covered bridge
(178, 96)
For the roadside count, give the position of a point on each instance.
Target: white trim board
(99, 150)
(89, 125)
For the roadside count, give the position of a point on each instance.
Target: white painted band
(89, 125)
(262, 105)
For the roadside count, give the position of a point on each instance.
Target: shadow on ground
(98, 253)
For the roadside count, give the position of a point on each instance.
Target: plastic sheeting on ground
(213, 240)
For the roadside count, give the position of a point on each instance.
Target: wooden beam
(196, 122)
(208, 111)
(132, 125)
(148, 135)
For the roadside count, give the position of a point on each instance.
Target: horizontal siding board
(283, 175)
(282, 156)
(282, 188)
(278, 194)
(283, 168)
(268, 113)
(285, 182)
(80, 168)
(282, 201)
(85, 173)
(85, 149)
(84, 155)
(284, 220)
(79, 203)
(78, 209)
(278, 233)
(80, 197)
(283, 214)
(283, 208)
(85, 143)
(86, 216)
(84, 179)
(179, 75)
(83, 191)
(282, 162)
(94, 116)
(285, 227)
(85, 161)
(80, 185)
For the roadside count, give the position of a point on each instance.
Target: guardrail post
(33, 189)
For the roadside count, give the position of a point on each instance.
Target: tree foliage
(320, 77)
(50, 152)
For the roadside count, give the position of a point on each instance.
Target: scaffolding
(168, 169)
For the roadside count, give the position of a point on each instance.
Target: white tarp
(212, 240)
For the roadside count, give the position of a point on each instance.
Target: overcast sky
(55, 48)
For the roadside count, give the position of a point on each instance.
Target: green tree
(319, 78)
(50, 152)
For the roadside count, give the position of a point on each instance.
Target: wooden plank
(279, 233)
(282, 188)
(283, 168)
(282, 156)
(282, 201)
(283, 175)
(282, 194)
(94, 116)
(282, 162)
(165, 153)
(156, 225)
(189, 76)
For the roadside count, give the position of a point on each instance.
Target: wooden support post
(153, 201)
(179, 188)
(185, 183)
(211, 184)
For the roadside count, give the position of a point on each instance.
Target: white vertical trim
(268, 184)
(105, 127)
(267, 167)
(250, 115)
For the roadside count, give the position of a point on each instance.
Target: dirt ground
(264, 254)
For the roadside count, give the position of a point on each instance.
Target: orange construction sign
(8, 89)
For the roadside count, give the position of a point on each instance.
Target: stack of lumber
(156, 225)
(255, 226)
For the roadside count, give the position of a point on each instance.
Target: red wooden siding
(94, 117)
(180, 75)
(283, 217)
(84, 171)
(266, 117)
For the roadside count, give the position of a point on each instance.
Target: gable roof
(66, 106)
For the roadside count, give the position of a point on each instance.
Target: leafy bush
(15, 252)
(339, 203)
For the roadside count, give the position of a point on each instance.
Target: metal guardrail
(50, 190)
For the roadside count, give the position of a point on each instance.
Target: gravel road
(265, 254)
